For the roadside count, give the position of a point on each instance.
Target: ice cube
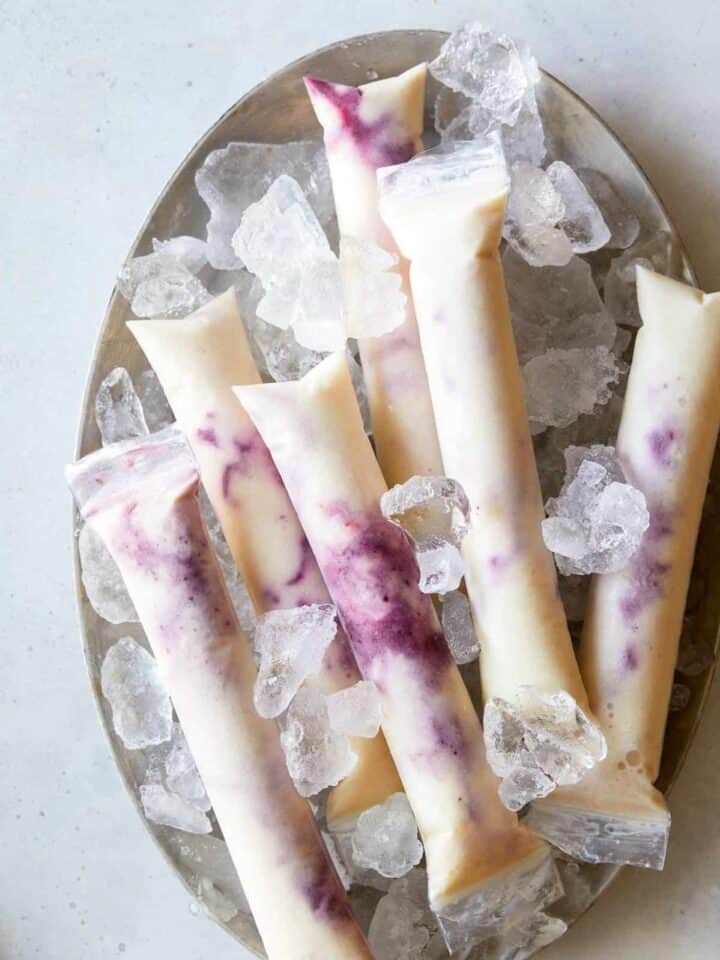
(160, 285)
(189, 251)
(680, 697)
(373, 300)
(397, 930)
(582, 221)
(441, 566)
(386, 838)
(101, 578)
(525, 939)
(428, 509)
(118, 412)
(170, 810)
(214, 902)
(316, 756)
(486, 67)
(555, 307)
(624, 226)
(236, 176)
(562, 384)
(153, 401)
(597, 522)
(533, 218)
(458, 626)
(281, 241)
(620, 293)
(355, 711)
(525, 139)
(181, 774)
(291, 644)
(130, 682)
(538, 742)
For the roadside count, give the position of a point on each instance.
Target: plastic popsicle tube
(476, 851)
(365, 128)
(629, 645)
(446, 211)
(140, 497)
(197, 360)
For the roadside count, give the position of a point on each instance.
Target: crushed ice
(458, 626)
(597, 522)
(434, 512)
(291, 644)
(539, 742)
(356, 710)
(130, 682)
(385, 838)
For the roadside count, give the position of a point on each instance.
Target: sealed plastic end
(501, 902)
(598, 837)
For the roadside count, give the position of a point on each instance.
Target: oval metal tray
(278, 110)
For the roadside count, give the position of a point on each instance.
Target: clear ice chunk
(386, 839)
(130, 682)
(373, 300)
(539, 742)
(620, 292)
(397, 930)
(181, 774)
(160, 285)
(560, 385)
(524, 940)
(500, 903)
(236, 176)
(355, 711)
(622, 223)
(291, 644)
(582, 220)
(316, 756)
(434, 512)
(282, 242)
(153, 401)
(597, 522)
(118, 412)
(191, 252)
(535, 211)
(555, 307)
(214, 902)
(166, 808)
(441, 567)
(101, 578)
(428, 507)
(485, 66)
(458, 626)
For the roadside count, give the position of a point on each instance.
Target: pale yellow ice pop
(446, 211)
(140, 497)
(483, 867)
(629, 646)
(367, 127)
(197, 360)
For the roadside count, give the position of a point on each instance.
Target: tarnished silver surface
(278, 110)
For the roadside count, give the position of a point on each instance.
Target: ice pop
(666, 440)
(365, 128)
(475, 848)
(198, 359)
(446, 211)
(140, 497)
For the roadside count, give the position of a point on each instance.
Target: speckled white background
(99, 102)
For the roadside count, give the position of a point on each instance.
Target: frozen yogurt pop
(367, 127)
(198, 359)
(629, 646)
(476, 851)
(446, 211)
(140, 497)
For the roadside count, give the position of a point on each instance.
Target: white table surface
(99, 102)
